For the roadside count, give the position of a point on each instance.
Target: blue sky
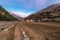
(26, 7)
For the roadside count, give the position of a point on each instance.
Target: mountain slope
(16, 16)
(51, 13)
(5, 16)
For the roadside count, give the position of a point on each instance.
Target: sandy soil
(35, 31)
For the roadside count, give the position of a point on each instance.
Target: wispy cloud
(21, 13)
(26, 5)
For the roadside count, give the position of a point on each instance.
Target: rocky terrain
(51, 13)
(19, 18)
(29, 31)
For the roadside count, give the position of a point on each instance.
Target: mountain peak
(51, 13)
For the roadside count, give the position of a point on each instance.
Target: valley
(32, 31)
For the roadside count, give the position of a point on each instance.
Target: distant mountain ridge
(51, 13)
(16, 16)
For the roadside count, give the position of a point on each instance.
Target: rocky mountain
(5, 16)
(51, 13)
(16, 16)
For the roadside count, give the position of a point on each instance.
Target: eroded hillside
(51, 13)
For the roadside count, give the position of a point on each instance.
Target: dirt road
(30, 31)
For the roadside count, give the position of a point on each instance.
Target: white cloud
(22, 14)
